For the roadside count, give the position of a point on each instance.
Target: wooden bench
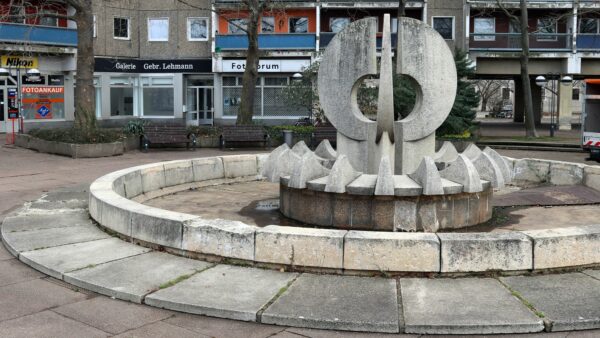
(244, 134)
(324, 132)
(168, 134)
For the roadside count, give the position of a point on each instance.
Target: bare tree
(522, 21)
(85, 98)
(488, 89)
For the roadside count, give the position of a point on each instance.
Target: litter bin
(288, 137)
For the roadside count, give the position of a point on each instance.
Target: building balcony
(588, 42)
(326, 37)
(511, 42)
(290, 41)
(532, 4)
(38, 35)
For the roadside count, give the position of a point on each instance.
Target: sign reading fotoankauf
(152, 66)
(265, 66)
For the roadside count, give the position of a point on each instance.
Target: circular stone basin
(515, 209)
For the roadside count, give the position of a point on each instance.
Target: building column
(536, 95)
(565, 105)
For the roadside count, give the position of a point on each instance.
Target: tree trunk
(85, 93)
(251, 72)
(484, 104)
(526, 81)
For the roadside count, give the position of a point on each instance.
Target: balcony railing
(38, 35)
(326, 37)
(510, 42)
(290, 41)
(588, 42)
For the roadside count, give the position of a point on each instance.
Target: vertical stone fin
(428, 177)
(341, 175)
(385, 178)
(462, 171)
(308, 169)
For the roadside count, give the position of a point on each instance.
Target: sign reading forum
(266, 66)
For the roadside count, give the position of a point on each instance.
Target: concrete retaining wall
(115, 204)
(70, 149)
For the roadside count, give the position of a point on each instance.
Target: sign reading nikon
(11, 61)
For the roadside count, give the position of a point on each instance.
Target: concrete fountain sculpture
(386, 174)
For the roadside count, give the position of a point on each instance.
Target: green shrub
(72, 135)
(135, 127)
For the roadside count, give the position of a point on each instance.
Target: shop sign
(152, 66)
(56, 80)
(13, 110)
(12, 61)
(265, 66)
(26, 80)
(43, 102)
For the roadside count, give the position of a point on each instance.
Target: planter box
(208, 141)
(69, 149)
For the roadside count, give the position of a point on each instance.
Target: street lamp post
(542, 82)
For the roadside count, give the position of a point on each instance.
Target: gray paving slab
(463, 306)
(45, 221)
(61, 259)
(570, 301)
(51, 205)
(318, 333)
(223, 328)
(29, 297)
(4, 254)
(593, 273)
(223, 291)
(47, 324)
(160, 330)
(338, 302)
(134, 277)
(12, 271)
(66, 195)
(112, 316)
(46, 238)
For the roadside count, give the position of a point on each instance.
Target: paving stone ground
(34, 305)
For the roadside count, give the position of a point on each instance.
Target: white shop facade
(269, 105)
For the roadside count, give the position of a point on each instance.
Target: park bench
(252, 134)
(324, 132)
(167, 134)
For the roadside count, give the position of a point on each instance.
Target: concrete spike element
(504, 168)
(447, 153)
(428, 177)
(472, 152)
(326, 151)
(385, 100)
(301, 148)
(489, 170)
(341, 175)
(385, 178)
(309, 168)
(462, 171)
(284, 165)
(271, 162)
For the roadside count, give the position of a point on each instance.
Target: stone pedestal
(565, 105)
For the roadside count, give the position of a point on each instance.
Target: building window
(237, 26)
(121, 28)
(505, 93)
(123, 101)
(267, 24)
(484, 26)
(158, 29)
(48, 20)
(298, 25)
(394, 24)
(336, 25)
(158, 96)
(445, 26)
(547, 29)
(197, 29)
(588, 26)
(15, 14)
(95, 31)
(575, 96)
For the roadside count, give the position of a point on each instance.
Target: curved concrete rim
(114, 204)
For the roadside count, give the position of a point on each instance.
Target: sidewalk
(34, 305)
(507, 130)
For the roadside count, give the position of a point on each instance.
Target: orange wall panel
(281, 19)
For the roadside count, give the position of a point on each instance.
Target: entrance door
(205, 105)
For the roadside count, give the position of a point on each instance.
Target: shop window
(575, 96)
(484, 26)
(42, 102)
(158, 96)
(197, 29)
(237, 26)
(394, 24)
(336, 25)
(121, 28)
(445, 26)
(123, 101)
(547, 28)
(298, 25)
(588, 26)
(158, 29)
(267, 24)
